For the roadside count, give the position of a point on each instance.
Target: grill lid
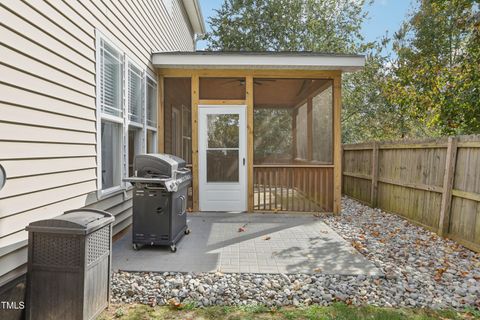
(80, 221)
(157, 164)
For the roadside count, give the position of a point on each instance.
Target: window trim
(148, 127)
(148, 76)
(99, 37)
(128, 62)
(123, 120)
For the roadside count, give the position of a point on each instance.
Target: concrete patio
(271, 243)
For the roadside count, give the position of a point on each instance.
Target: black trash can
(69, 263)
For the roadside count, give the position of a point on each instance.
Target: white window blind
(135, 93)
(111, 66)
(151, 103)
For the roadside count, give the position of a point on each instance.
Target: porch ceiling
(258, 60)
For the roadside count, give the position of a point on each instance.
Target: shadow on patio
(271, 243)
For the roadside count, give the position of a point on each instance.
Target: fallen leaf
(439, 273)
(375, 234)
(317, 270)
(267, 238)
(174, 303)
(357, 245)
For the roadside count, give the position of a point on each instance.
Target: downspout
(197, 37)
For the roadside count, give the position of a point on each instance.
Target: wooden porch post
(195, 98)
(160, 115)
(294, 133)
(250, 148)
(337, 144)
(309, 129)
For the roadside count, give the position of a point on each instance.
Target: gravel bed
(421, 270)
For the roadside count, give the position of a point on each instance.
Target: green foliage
(287, 25)
(436, 76)
(337, 311)
(429, 87)
(223, 131)
(273, 133)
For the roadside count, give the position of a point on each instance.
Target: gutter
(195, 16)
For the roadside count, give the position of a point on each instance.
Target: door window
(223, 147)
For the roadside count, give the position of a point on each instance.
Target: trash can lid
(80, 221)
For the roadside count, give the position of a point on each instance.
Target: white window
(110, 72)
(135, 146)
(151, 114)
(136, 112)
(110, 115)
(126, 115)
(135, 94)
(111, 140)
(151, 102)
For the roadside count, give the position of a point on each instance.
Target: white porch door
(222, 158)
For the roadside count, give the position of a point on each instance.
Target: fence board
(420, 181)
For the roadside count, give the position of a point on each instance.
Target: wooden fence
(434, 183)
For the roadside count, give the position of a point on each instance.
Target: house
(78, 95)
(86, 85)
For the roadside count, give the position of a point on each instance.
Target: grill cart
(159, 200)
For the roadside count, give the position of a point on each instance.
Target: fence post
(445, 209)
(374, 192)
(343, 168)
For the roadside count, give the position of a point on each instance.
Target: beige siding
(47, 104)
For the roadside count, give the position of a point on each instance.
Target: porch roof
(258, 60)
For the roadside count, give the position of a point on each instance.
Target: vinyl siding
(48, 106)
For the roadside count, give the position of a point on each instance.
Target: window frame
(128, 62)
(139, 137)
(123, 120)
(153, 129)
(101, 116)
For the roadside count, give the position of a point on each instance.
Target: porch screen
(293, 121)
(293, 146)
(178, 117)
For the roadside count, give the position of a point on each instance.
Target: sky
(384, 15)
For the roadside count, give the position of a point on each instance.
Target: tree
(436, 76)
(311, 25)
(287, 25)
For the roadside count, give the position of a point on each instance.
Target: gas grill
(159, 200)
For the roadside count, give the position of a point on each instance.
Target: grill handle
(182, 170)
(154, 188)
(184, 205)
